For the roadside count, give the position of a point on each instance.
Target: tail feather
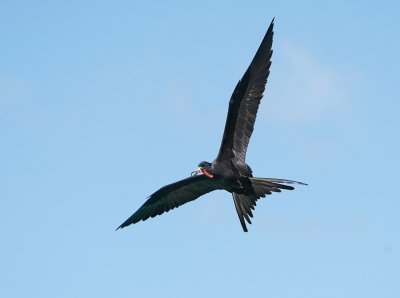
(239, 212)
(243, 207)
(261, 187)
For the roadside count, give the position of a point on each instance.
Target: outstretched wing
(244, 103)
(172, 196)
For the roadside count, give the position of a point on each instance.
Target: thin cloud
(313, 101)
(12, 90)
(306, 89)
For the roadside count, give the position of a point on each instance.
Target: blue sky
(102, 103)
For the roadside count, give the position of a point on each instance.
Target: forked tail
(261, 187)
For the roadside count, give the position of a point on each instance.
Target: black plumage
(229, 170)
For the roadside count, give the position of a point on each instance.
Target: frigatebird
(229, 170)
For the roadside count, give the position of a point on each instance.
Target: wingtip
(271, 26)
(121, 227)
(272, 22)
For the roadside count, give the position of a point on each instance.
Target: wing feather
(244, 103)
(172, 196)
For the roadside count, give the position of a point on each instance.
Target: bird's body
(229, 170)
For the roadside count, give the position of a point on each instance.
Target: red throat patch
(207, 173)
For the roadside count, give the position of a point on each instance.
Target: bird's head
(204, 168)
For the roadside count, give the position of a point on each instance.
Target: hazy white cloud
(12, 89)
(313, 101)
(306, 89)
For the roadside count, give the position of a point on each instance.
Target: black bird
(229, 170)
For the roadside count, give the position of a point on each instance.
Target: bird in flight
(229, 170)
